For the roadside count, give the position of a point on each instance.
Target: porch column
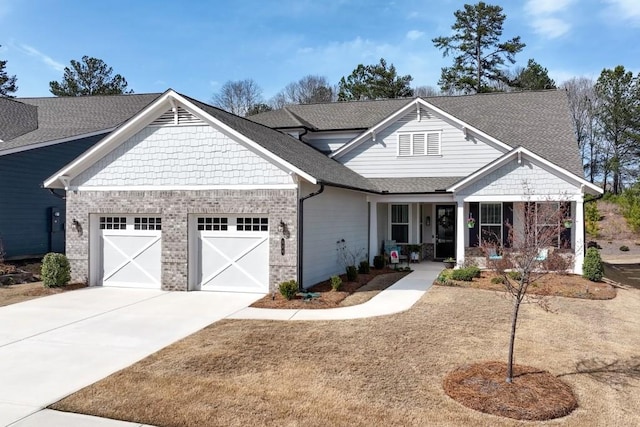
(578, 230)
(460, 230)
(373, 230)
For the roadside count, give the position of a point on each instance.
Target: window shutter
(433, 144)
(474, 233)
(507, 218)
(418, 144)
(404, 144)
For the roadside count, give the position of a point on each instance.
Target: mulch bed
(328, 298)
(533, 395)
(563, 285)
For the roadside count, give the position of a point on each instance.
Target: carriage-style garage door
(130, 251)
(231, 253)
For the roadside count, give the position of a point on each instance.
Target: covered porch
(445, 226)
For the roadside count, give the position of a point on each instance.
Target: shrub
(514, 275)
(498, 280)
(444, 276)
(558, 263)
(352, 273)
(289, 289)
(591, 216)
(364, 267)
(55, 270)
(592, 268)
(336, 283)
(465, 274)
(378, 262)
(624, 248)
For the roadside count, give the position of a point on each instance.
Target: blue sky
(195, 46)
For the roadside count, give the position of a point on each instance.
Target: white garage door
(131, 248)
(232, 253)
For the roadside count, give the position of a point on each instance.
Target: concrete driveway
(53, 346)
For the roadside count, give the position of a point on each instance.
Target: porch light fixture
(283, 229)
(77, 226)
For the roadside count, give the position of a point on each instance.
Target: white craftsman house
(185, 196)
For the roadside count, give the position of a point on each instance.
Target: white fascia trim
(187, 187)
(413, 198)
(418, 102)
(254, 146)
(536, 158)
(54, 142)
(143, 118)
(525, 198)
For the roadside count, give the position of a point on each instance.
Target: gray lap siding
(174, 207)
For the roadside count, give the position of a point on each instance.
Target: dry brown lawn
(12, 294)
(380, 371)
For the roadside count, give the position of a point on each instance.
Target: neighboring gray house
(185, 196)
(37, 137)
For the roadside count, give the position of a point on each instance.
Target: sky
(195, 46)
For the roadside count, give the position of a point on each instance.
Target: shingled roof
(291, 150)
(68, 117)
(539, 121)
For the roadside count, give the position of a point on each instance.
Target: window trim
(412, 136)
(491, 224)
(407, 224)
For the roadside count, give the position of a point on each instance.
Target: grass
(12, 294)
(380, 371)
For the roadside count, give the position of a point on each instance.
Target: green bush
(465, 274)
(498, 280)
(444, 276)
(55, 270)
(336, 283)
(592, 268)
(364, 267)
(624, 248)
(514, 275)
(352, 273)
(289, 289)
(378, 262)
(591, 216)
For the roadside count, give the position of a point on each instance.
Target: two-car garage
(225, 252)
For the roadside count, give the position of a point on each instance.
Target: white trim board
(187, 187)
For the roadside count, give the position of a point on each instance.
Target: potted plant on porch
(449, 262)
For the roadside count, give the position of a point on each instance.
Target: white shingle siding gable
(182, 155)
(515, 179)
(457, 156)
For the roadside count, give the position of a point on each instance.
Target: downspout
(301, 230)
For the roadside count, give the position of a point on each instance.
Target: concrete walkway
(399, 297)
(59, 344)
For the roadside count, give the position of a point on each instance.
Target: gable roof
(298, 157)
(64, 118)
(331, 116)
(517, 153)
(16, 118)
(537, 120)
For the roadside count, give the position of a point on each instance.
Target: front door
(445, 231)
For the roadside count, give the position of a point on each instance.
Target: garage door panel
(131, 256)
(232, 259)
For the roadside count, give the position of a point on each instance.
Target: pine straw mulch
(351, 293)
(533, 395)
(552, 284)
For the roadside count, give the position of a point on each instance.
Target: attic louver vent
(170, 118)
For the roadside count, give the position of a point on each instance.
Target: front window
(491, 223)
(548, 223)
(400, 223)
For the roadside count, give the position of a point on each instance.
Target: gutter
(300, 233)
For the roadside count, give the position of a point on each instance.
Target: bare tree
(583, 103)
(310, 89)
(238, 97)
(426, 91)
(527, 255)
